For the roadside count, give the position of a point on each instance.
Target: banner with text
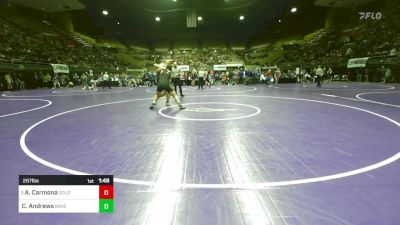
(357, 62)
(60, 68)
(219, 67)
(184, 68)
(234, 64)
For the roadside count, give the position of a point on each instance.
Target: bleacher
(33, 26)
(43, 27)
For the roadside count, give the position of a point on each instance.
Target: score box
(106, 196)
(66, 194)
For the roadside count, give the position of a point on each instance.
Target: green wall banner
(357, 62)
(60, 68)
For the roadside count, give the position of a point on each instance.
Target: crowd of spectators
(359, 39)
(21, 45)
(330, 47)
(14, 81)
(191, 56)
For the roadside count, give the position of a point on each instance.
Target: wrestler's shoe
(181, 107)
(152, 106)
(167, 104)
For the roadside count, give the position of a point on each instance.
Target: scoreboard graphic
(66, 194)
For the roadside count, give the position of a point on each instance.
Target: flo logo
(370, 15)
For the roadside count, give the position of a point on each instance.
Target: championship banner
(357, 62)
(268, 68)
(135, 70)
(234, 64)
(191, 19)
(60, 68)
(252, 67)
(184, 68)
(219, 67)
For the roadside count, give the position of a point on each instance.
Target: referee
(176, 78)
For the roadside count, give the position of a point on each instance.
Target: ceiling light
(200, 18)
(293, 10)
(105, 12)
(158, 19)
(279, 21)
(118, 23)
(241, 18)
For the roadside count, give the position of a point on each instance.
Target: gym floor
(279, 154)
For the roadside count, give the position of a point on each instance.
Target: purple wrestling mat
(288, 154)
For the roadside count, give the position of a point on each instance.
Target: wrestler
(164, 85)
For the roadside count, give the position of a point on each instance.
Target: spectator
(9, 81)
(277, 74)
(56, 81)
(106, 80)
